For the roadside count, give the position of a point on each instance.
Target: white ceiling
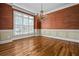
(35, 7)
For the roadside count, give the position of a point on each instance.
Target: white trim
(5, 41)
(66, 39)
(61, 29)
(66, 6)
(6, 30)
(15, 38)
(27, 11)
(21, 36)
(37, 32)
(63, 34)
(41, 32)
(20, 8)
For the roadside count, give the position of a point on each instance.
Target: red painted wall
(6, 16)
(67, 18)
(37, 24)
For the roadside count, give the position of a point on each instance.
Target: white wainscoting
(5, 36)
(63, 34)
(8, 35)
(37, 32)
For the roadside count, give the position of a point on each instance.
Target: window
(31, 24)
(23, 23)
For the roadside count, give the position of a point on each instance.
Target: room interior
(39, 29)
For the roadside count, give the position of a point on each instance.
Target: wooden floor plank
(39, 46)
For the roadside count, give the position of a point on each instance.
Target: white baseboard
(21, 36)
(5, 41)
(60, 38)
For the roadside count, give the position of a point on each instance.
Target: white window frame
(22, 31)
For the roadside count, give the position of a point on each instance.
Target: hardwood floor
(39, 46)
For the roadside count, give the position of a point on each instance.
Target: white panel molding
(37, 32)
(63, 34)
(17, 37)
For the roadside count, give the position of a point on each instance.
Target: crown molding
(66, 6)
(21, 9)
(27, 11)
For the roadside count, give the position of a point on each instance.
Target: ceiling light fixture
(41, 15)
